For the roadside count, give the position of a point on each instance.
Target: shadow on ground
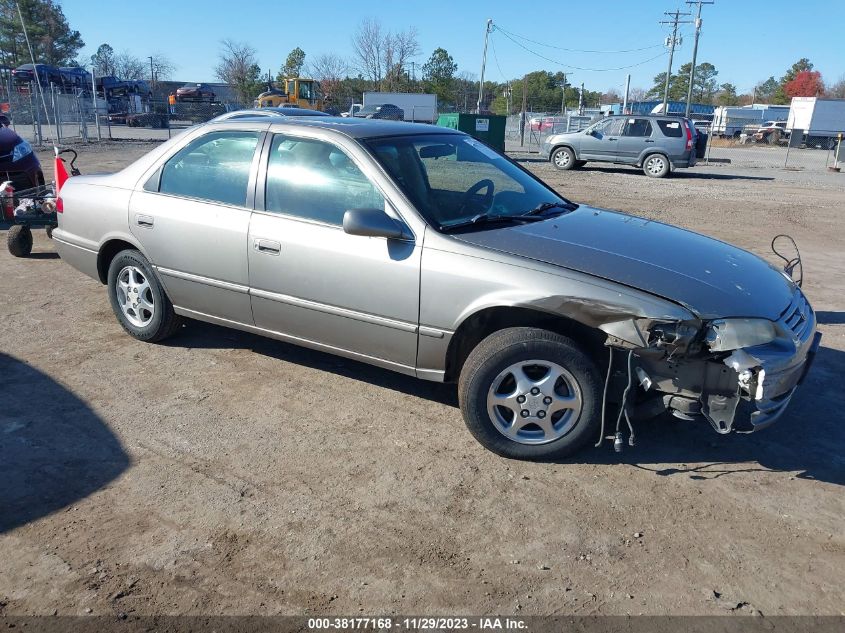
(809, 440)
(830, 318)
(53, 449)
(636, 171)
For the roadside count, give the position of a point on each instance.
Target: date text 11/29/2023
(362, 623)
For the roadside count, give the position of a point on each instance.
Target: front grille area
(798, 315)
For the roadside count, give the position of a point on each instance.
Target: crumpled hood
(711, 278)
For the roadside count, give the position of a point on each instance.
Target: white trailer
(417, 106)
(730, 120)
(817, 117)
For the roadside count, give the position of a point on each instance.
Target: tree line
(386, 60)
(799, 80)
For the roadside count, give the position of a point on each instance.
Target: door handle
(649, 140)
(144, 220)
(267, 246)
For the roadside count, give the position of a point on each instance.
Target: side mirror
(592, 133)
(373, 223)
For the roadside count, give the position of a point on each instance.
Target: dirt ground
(228, 474)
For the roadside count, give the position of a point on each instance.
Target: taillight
(8, 211)
(689, 134)
(60, 206)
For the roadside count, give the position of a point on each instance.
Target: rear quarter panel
(95, 211)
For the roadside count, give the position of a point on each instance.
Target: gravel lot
(225, 473)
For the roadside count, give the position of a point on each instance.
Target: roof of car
(652, 116)
(351, 127)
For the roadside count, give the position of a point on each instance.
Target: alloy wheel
(534, 402)
(655, 165)
(562, 158)
(135, 296)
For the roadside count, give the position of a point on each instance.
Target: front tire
(656, 166)
(138, 300)
(532, 394)
(563, 158)
(19, 240)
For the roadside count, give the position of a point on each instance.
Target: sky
(747, 40)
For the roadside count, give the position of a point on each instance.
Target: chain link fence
(776, 148)
(526, 134)
(44, 115)
(746, 145)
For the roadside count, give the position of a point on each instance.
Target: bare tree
(367, 44)
(636, 94)
(837, 90)
(381, 56)
(129, 67)
(239, 69)
(331, 69)
(162, 66)
(398, 49)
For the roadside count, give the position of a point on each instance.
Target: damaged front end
(705, 369)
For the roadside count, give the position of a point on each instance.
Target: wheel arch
(568, 146)
(650, 152)
(110, 247)
(484, 322)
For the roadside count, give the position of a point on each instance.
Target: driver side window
(608, 127)
(316, 180)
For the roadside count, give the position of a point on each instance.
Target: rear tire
(532, 394)
(656, 166)
(138, 299)
(19, 240)
(563, 158)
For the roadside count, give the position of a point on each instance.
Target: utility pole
(563, 86)
(672, 41)
(695, 49)
(483, 64)
(522, 116)
(152, 71)
(627, 90)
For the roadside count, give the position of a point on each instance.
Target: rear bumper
(81, 258)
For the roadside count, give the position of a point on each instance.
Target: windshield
(453, 179)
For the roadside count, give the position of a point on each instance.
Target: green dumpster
(489, 128)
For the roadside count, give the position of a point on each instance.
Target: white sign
(482, 125)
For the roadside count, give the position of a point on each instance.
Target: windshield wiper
(486, 218)
(546, 206)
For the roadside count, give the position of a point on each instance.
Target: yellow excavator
(298, 92)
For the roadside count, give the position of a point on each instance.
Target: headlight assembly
(22, 150)
(728, 334)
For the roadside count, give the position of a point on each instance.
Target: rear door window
(637, 127)
(671, 129)
(214, 167)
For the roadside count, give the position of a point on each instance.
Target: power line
(496, 57)
(559, 63)
(574, 50)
